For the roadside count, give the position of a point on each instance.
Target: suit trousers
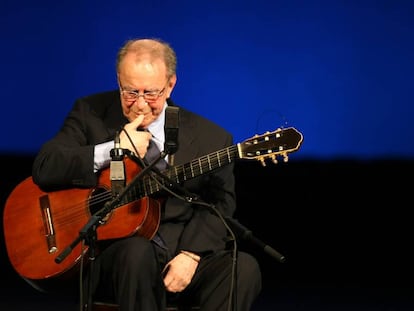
(128, 272)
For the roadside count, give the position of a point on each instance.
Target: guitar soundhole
(97, 200)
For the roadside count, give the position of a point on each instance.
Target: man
(188, 259)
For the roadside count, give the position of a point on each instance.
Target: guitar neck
(269, 145)
(148, 185)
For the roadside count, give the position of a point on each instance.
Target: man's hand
(139, 139)
(179, 271)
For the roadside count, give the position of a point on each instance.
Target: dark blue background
(338, 71)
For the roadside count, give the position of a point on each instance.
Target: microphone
(117, 167)
(246, 234)
(171, 132)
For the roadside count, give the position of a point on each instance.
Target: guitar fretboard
(180, 173)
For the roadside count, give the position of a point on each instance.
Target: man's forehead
(143, 62)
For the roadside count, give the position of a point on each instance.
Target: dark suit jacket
(67, 161)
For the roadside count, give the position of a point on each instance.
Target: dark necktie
(153, 153)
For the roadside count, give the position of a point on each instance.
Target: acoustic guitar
(39, 225)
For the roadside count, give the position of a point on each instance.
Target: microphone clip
(117, 167)
(117, 154)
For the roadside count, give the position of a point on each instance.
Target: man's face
(144, 87)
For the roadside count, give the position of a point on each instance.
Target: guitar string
(76, 211)
(179, 171)
(187, 171)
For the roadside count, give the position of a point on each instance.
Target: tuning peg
(262, 160)
(274, 159)
(285, 157)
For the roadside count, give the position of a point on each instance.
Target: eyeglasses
(149, 96)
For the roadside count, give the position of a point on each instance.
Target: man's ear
(171, 85)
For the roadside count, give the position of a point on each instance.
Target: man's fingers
(138, 120)
(135, 123)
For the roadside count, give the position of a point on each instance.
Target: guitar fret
(151, 185)
(156, 186)
(192, 170)
(183, 173)
(199, 164)
(177, 180)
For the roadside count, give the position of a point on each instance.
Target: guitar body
(39, 225)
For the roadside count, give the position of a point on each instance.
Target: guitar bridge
(48, 224)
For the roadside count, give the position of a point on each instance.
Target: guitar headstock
(270, 145)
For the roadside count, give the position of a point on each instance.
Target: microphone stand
(243, 233)
(88, 232)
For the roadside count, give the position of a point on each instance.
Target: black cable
(232, 305)
(189, 198)
(193, 199)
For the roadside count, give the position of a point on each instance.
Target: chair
(106, 306)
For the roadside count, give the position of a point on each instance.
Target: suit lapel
(187, 135)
